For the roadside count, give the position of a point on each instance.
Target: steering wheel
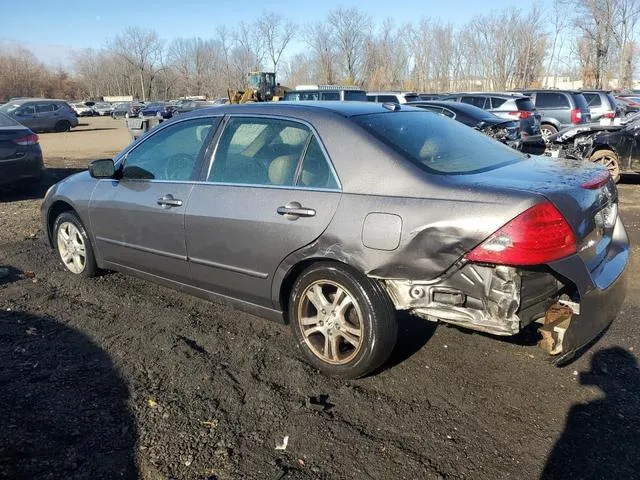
(178, 167)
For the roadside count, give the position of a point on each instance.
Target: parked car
(83, 110)
(120, 109)
(41, 114)
(393, 97)
(157, 109)
(510, 106)
(325, 92)
(628, 106)
(286, 216)
(505, 131)
(190, 106)
(221, 101)
(602, 106)
(20, 154)
(617, 147)
(134, 109)
(559, 109)
(431, 96)
(103, 109)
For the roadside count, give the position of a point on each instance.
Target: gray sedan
(332, 216)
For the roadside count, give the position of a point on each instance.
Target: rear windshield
(593, 99)
(438, 144)
(525, 104)
(6, 121)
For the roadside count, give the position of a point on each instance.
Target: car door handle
(168, 201)
(293, 210)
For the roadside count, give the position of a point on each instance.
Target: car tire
(546, 130)
(62, 126)
(608, 159)
(357, 331)
(73, 245)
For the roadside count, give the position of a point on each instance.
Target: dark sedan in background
(157, 109)
(20, 154)
(505, 131)
(332, 216)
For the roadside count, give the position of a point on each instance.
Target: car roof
(551, 90)
(345, 109)
(27, 100)
(455, 106)
(392, 92)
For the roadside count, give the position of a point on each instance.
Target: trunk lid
(591, 212)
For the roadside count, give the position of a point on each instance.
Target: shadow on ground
(63, 404)
(413, 334)
(33, 189)
(601, 439)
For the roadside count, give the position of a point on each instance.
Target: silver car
(332, 216)
(41, 114)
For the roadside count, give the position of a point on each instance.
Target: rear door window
(580, 101)
(496, 102)
(551, 100)
(355, 95)
(44, 108)
(473, 100)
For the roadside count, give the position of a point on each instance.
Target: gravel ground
(114, 377)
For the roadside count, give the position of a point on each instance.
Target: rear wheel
(62, 126)
(546, 130)
(609, 159)
(344, 323)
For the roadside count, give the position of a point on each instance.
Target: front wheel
(609, 159)
(546, 130)
(73, 245)
(343, 322)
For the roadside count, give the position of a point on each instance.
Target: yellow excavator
(262, 88)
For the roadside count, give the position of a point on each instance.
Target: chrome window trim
(311, 128)
(221, 184)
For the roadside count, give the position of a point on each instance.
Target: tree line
(592, 40)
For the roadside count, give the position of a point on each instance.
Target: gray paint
(381, 231)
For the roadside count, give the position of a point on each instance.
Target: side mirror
(104, 168)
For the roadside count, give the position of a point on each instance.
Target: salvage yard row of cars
(278, 208)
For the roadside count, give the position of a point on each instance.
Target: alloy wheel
(71, 246)
(331, 322)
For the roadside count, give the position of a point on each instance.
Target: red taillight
(599, 181)
(522, 114)
(538, 235)
(576, 115)
(28, 140)
(609, 115)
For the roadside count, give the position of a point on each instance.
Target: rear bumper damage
(501, 300)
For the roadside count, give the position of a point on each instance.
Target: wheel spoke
(316, 296)
(350, 330)
(331, 347)
(66, 256)
(311, 331)
(340, 293)
(64, 232)
(350, 338)
(307, 321)
(342, 307)
(80, 248)
(77, 262)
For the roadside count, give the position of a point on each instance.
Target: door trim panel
(231, 268)
(141, 248)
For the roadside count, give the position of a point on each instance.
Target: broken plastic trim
(476, 297)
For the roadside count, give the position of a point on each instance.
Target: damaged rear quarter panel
(437, 230)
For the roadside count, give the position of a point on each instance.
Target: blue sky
(53, 29)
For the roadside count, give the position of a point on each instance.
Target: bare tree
(350, 28)
(142, 49)
(276, 35)
(323, 51)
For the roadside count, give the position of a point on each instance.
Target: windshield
(9, 107)
(438, 144)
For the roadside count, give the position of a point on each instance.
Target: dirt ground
(114, 377)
